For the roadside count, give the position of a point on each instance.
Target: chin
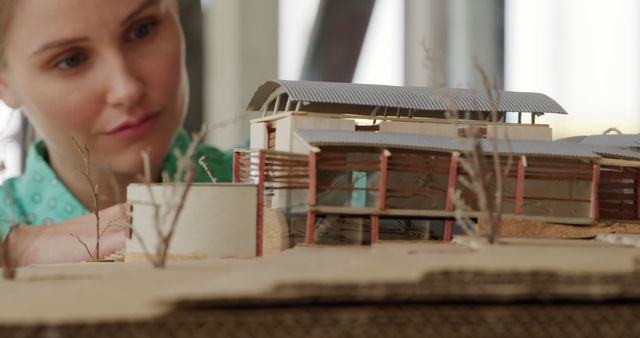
(129, 161)
(127, 165)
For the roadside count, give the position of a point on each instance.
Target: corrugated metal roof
(612, 152)
(449, 144)
(620, 141)
(416, 98)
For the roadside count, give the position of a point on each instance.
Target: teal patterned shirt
(38, 197)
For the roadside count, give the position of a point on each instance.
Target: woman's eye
(142, 30)
(71, 61)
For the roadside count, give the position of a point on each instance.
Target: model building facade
(381, 152)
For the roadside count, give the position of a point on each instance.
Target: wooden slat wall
(619, 193)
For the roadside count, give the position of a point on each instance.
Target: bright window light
(382, 56)
(582, 53)
(9, 148)
(296, 24)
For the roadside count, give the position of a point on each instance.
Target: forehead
(40, 21)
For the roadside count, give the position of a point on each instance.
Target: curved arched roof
(324, 94)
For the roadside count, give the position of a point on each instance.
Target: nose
(124, 89)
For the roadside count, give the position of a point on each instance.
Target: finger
(124, 208)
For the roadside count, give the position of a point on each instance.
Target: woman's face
(109, 73)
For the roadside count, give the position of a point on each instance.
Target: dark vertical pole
(25, 137)
(192, 23)
(336, 40)
(475, 33)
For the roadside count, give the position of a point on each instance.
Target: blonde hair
(6, 12)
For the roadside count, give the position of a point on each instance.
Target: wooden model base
(532, 229)
(519, 287)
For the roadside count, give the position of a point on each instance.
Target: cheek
(80, 109)
(163, 73)
(63, 106)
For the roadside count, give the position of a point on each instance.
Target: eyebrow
(65, 42)
(58, 43)
(142, 7)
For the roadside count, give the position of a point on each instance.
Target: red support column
(382, 185)
(448, 224)
(236, 167)
(453, 175)
(311, 222)
(261, 184)
(313, 178)
(520, 186)
(638, 195)
(595, 198)
(382, 194)
(313, 195)
(375, 227)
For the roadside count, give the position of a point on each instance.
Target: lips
(134, 127)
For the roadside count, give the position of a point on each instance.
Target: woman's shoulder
(37, 196)
(9, 208)
(218, 163)
(5, 206)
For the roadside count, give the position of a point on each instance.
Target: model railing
(270, 170)
(382, 183)
(536, 186)
(274, 169)
(402, 183)
(381, 177)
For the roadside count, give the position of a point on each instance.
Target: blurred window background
(582, 53)
(11, 152)
(381, 58)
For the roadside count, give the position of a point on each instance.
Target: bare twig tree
(165, 223)
(94, 188)
(485, 175)
(84, 152)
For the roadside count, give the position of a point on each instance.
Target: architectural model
(379, 153)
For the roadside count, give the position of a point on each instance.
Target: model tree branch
(84, 152)
(167, 211)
